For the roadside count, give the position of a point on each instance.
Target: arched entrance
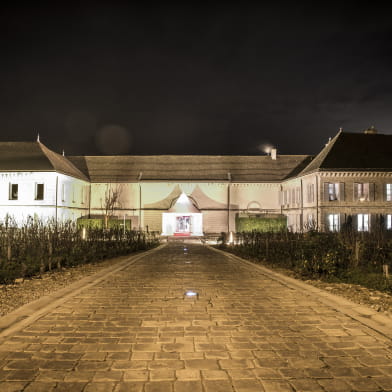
(183, 219)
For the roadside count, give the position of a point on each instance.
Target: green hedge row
(36, 247)
(355, 258)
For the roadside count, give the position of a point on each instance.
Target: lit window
(310, 220)
(389, 222)
(13, 192)
(362, 191)
(39, 191)
(363, 222)
(333, 222)
(388, 194)
(333, 191)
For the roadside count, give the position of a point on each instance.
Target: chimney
(370, 131)
(273, 153)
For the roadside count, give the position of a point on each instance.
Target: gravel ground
(377, 300)
(18, 294)
(13, 296)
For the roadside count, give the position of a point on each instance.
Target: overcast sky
(115, 78)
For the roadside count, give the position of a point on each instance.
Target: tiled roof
(34, 156)
(354, 152)
(189, 167)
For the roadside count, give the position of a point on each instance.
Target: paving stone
(217, 386)
(158, 386)
(12, 386)
(246, 331)
(188, 386)
(129, 387)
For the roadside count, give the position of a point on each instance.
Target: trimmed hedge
(347, 257)
(36, 247)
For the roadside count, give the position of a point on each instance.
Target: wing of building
(348, 182)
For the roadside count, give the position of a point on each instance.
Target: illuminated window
(333, 222)
(388, 192)
(363, 191)
(389, 221)
(39, 191)
(333, 191)
(13, 192)
(363, 222)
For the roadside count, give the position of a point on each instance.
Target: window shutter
(355, 222)
(342, 220)
(355, 191)
(326, 222)
(371, 191)
(341, 191)
(373, 222)
(326, 196)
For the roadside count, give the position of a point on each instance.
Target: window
(333, 222)
(388, 192)
(333, 191)
(298, 195)
(310, 193)
(39, 191)
(311, 223)
(363, 222)
(363, 191)
(13, 192)
(389, 221)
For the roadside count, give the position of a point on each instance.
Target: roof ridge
(321, 156)
(48, 152)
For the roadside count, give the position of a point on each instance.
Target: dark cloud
(193, 79)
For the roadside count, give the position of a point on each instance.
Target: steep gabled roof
(34, 156)
(183, 205)
(354, 152)
(124, 168)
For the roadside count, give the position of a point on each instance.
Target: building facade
(348, 182)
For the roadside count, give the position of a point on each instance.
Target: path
(137, 330)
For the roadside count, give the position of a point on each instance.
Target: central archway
(183, 219)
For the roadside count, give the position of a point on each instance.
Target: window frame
(11, 191)
(38, 195)
(363, 223)
(334, 223)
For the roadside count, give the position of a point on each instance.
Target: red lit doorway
(183, 225)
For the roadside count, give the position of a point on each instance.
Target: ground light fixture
(191, 294)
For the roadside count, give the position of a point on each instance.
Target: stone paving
(137, 330)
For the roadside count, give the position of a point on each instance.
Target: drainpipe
(228, 201)
(317, 203)
(302, 208)
(89, 202)
(57, 193)
(140, 200)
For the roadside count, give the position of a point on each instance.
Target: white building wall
(26, 205)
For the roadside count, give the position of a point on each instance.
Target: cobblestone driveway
(243, 331)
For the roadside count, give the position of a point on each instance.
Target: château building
(348, 182)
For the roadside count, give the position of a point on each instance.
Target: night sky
(115, 78)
